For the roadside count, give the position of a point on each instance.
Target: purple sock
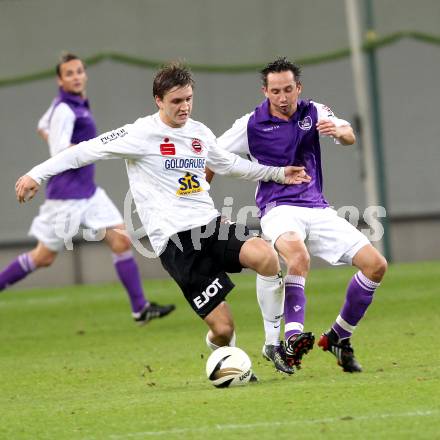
(128, 272)
(18, 269)
(294, 305)
(359, 296)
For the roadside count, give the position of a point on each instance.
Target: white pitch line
(10, 303)
(272, 424)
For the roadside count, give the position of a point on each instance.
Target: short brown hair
(65, 58)
(175, 74)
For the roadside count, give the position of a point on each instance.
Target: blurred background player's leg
(44, 254)
(128, 273)
(25, 264)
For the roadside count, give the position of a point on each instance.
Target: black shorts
(199, 267)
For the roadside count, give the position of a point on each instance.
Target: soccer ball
(228, 367)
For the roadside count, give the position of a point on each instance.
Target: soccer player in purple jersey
(73, 199)
(284, 130)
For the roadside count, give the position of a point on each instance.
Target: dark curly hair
(281, 64)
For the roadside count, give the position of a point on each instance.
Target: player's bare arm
(43, 134)
(26, 188)
(209, 174)
(344, 134)
(293, 175)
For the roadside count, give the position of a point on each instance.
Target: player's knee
(298, 262)
(379, 267)
(376, 268)
(268, 262)
(258, 255)
(120, 243)
(45, 260)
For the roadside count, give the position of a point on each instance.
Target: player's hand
(26, 188)
(296, 175)
(343, 134)
(326, 127)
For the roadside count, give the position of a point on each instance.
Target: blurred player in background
(166, 154)
(73, 199)
(284, 130)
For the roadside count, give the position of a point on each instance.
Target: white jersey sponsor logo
(189, 184)
(167, 148)
(112, 135)
(182, 164)
(197, 145)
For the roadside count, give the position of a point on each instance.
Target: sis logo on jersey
(197, 145)
(305, 124)
(167, 148)
(189, 184)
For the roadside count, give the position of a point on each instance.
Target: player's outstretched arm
(226, 163)
(26, 188)
(293, 175)
(126, 142)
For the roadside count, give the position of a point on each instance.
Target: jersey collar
(262, 113)
(74, 99)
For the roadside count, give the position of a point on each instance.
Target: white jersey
(166, 171)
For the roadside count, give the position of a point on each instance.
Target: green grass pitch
(73, 365)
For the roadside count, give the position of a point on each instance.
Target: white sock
(270, 295)
(213, 346)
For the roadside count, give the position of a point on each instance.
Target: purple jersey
(70, 122)
(276, 142)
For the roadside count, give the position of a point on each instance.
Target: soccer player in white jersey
(73, 198)
(166, 154)
(284, 130)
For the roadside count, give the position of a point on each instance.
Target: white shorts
(326, 235)
(60, 220)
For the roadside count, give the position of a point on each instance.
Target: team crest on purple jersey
(305, 124)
